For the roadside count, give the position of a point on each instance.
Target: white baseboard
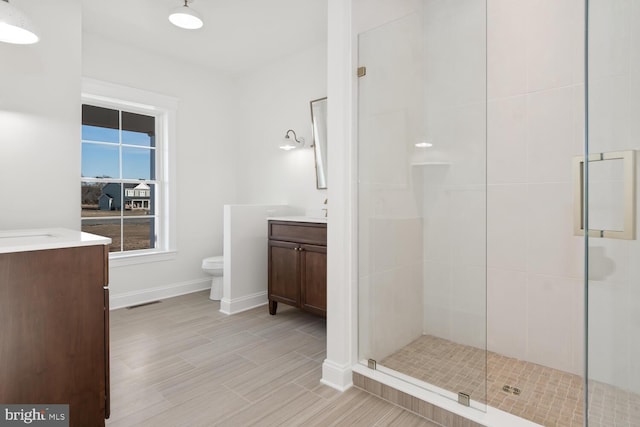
(336, 376)
(142, 296)
(247, 302)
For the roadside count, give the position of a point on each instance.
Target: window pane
(92, 133)
(139, 199)
(104, 227)
(138, 163)
(139, 234)
(100, 161)
(100, 199)
(138, 129)
(100, 124)
(89, 196)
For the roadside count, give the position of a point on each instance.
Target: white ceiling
(237, 34)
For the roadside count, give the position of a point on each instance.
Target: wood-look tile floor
(183, 363)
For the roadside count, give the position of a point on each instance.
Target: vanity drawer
(300, 232)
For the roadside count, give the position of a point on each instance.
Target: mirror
(319, 124)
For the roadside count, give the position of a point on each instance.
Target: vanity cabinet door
(53, 331)
(284, 272)
(298, 266)
(313, 279)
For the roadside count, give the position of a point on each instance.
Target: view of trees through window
(118, 184)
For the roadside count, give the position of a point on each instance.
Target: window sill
(123, 260)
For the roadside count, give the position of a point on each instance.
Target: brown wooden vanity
(298, 265)
(54, 333)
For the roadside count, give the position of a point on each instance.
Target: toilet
(215, 266)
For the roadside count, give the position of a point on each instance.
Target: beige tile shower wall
(535, 88)
(455, 195)
(614, 273)
(535, 120)
(393, 288)
(390, 200)
(534, 85)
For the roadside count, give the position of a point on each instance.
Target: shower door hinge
(371, 364)
(362, 71)
(464, 399)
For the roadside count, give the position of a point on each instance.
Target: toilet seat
(213, 263)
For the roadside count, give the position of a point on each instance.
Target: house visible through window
(120, 188)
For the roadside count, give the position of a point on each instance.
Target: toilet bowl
(215, 266)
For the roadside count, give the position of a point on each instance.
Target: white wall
(205, 173)
(614, 124)
(455, 195)
(272, 99)
(246, 254)
(40, 110)
(369, 14)
(535, 121)
(390, 208)
(39, 113)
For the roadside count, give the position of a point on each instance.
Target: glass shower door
(422, 199)
(613, 248)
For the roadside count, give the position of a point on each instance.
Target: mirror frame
(319, 132)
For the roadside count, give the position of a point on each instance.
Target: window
(125, 179)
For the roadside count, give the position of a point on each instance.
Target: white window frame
(163, 108)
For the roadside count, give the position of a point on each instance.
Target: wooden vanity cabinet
(298, 266)
(54, 330)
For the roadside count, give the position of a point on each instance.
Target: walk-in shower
(490, 135)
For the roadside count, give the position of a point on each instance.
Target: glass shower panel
(613, 285)
(422, 198)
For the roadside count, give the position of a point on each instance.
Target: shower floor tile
(544, 395)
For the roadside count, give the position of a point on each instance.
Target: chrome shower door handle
(629, 194)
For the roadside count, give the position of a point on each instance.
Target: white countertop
(314, 219)
(46, 238)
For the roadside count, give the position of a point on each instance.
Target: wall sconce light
(186, 17)
(290, 144)
(15, 26)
